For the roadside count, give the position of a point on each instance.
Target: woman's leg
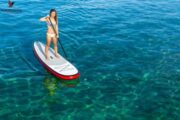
(48, 42)
(55, 46)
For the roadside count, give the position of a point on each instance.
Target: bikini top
(49, 24)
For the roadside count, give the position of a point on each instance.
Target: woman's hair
(53, 10)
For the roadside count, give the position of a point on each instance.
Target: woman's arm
(43, 18)
(57, 31)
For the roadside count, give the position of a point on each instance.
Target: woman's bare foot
(57, 55)
(47, 58)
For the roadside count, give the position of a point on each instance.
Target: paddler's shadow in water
(53, 84)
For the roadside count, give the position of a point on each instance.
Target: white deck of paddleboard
(60, 65)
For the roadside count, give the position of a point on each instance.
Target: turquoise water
(127, 51)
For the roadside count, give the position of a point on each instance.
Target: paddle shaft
(58, 38)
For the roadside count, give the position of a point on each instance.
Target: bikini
(50, 25)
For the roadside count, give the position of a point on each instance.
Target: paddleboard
(59, 67)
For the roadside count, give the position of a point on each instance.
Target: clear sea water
(127, 51)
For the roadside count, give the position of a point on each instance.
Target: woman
(51, 33)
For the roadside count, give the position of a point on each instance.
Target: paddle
(58, 38)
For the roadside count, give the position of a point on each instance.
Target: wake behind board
(59, 67)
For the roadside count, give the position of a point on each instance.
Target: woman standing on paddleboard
(52, 31)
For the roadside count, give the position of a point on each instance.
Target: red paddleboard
(59, 67)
